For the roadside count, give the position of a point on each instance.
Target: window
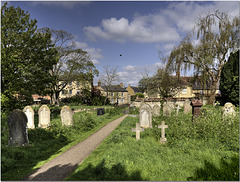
(112, 100)
(122, 100)
(70, 92)
(112, 94)
(184, 91)
(62, 92)
(122, 94)
(78, 92)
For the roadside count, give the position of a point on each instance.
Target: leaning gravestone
(30, 116)
(145, 116)
(44, 116)
(66, 116)
(17, 123)
(156, 110)
(187, 106)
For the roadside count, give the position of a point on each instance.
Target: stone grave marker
(187, 106)
(17, 122)
(28, 110)
(137, 130)
(196, 108)
(100, 111)
(167, 108)
(44, 116)
(66, 116)
(156, 110)
(177, 109)
(145, 116)
(163, 139)
(228, 110)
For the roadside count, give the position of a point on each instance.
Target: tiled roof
(114, 88)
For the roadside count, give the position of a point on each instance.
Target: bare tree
(218, 35)
(110, 76)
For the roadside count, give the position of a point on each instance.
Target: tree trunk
(212, 99)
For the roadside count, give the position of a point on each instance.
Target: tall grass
(204, 149)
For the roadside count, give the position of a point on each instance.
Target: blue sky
(135, 29)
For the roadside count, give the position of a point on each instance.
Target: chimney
(121, 85)
(99, 83)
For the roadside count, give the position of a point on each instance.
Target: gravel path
(63, 165)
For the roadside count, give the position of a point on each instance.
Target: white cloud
(166, 25)
(129, 68)
(93, 52)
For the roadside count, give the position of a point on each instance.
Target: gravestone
(177, 109)
(66, 116)
(44, 116)
(100, 111)
(167, 108)
(196, 108)
(228, 110)
(156, 110)
(145, 116)
(28, 110)
(17, 122)
(163, 139)
(137, 130)
(187, 106)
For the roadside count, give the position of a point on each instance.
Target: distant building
(133, 90)
(117, 94)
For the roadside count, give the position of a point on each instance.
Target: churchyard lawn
(206, 149)
(46, 144)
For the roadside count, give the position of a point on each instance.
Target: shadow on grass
(228, 171)
(21, 160)
(56, 173)
(101, 173)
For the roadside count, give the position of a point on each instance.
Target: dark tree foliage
(26, 56)
(229, 81)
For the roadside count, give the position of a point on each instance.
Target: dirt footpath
(63, 165)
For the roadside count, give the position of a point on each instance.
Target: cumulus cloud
(95, 54)
(166, 25)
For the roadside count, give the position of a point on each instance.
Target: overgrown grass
(46, 144)
(204, 150)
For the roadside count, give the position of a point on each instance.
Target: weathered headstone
(156, 110)
(44, 116)
(137, 130)
(187, 106)
(168, 107)
(17, 122)
(145, 116)
(66, 116)
(163, 139)
(228, 110)
(28, 110)
(100, 111)
(196, 108)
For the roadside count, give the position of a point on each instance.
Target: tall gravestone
(168, 107)
(145, 116)
(28, 110)
(66, 116)
(17, 122)
(156, 110)
(187, 106)
(44, 116)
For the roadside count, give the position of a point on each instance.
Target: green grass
(204, 150)
(46, 144)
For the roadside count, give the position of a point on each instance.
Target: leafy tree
(217, 34)
(162, 83)
(26, 55)
(229, 82)
(72, 65)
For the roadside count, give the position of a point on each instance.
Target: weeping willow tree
(217, 34)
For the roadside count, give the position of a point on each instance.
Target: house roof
(136, 89)
(114, 88)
